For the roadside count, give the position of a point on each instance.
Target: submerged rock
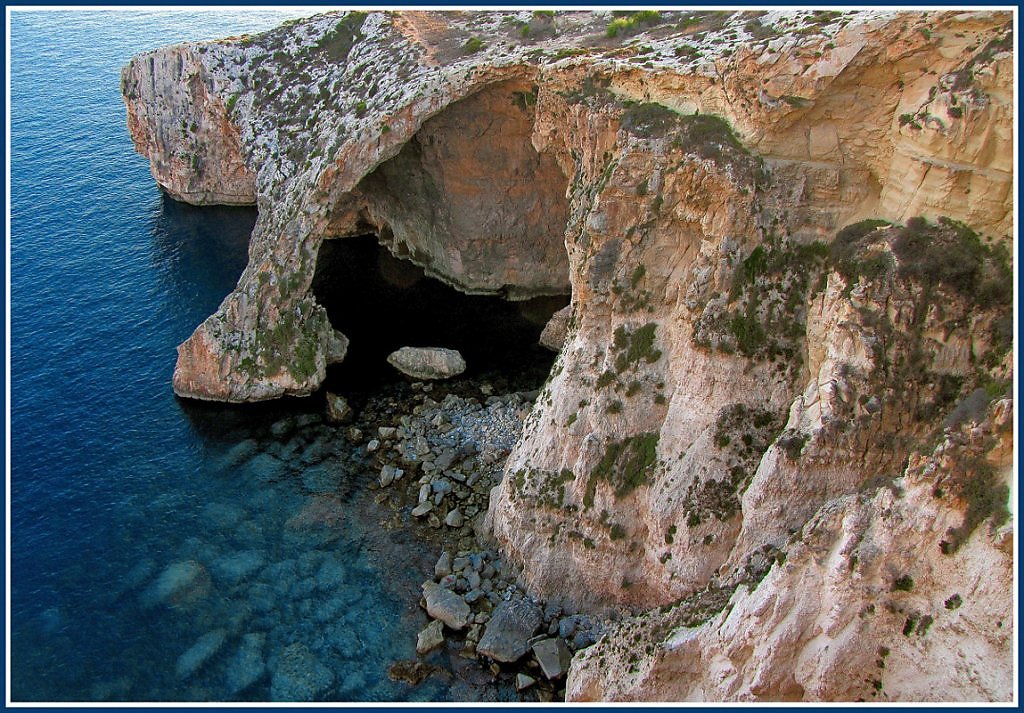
(427, 362)
(202, 651)
(238, 566)
(411, 672)
(247, 666)
(299, 676)
(181, 583)
(507, 635)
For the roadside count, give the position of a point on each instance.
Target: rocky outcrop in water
(785, 236)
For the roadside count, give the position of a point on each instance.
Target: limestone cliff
(785, 237)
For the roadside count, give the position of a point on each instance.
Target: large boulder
(507, 635)
(427, 362)
(553, 656)
(430, 638)
(553, 335)
(446, 605)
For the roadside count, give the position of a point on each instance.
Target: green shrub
(628, 23)
(986, 498)
(903, 584)
(792, 443)
(849, 254)
(337, 43)
(649, 120)
(473, 44)
(626, 465)
(635, 346)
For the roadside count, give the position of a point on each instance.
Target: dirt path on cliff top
(428, 30)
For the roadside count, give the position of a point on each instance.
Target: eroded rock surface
(784, 234)
(428, 362)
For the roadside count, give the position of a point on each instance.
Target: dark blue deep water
(143, 525)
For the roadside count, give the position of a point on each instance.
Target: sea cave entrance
(457, 241)
(382, 303)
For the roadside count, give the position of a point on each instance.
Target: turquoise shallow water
(163, 550)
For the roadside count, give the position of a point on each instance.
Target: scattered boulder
(553, 657)
(523, 681)
(202, 651)
(427, 362)
(422, 509)
(446, 605)
(338, 410)
(299, 676)
(444, 566)
(387, 476)
(337, 347)
(553, 335)
(454, 518)
(507, 635)
(430, 638)
(247, 666)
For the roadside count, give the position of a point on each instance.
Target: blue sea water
(143, 525)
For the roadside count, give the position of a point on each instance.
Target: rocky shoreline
(436, 464)
(787, 239)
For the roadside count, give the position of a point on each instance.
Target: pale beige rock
(427, 362)
(654, 224)
(831, 624)
(554, 332)
(822, 107)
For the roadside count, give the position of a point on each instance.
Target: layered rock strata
(785, 237)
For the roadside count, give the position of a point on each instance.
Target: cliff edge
(778, 433)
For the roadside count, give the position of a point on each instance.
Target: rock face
(769, 223)
(427, 362)
(869, 602)
(486, 209)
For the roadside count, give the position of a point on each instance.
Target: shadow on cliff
(382, 303)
